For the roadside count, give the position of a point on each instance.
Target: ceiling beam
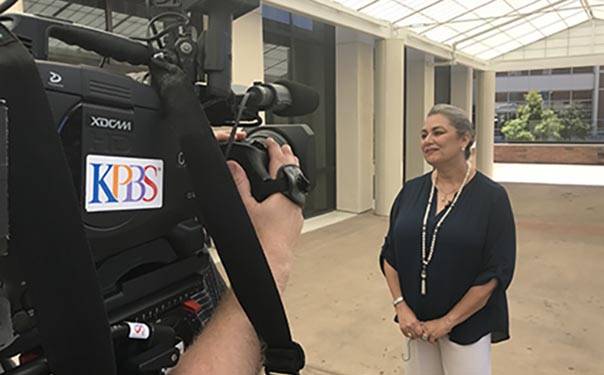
(450, 20)
(443, 51)
(513, 20)
(367, 5)
(587, 9)
(416, 12)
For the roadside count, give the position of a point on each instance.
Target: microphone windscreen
(305, 99)
(105, 44)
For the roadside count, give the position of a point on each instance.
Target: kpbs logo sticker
(120, 183)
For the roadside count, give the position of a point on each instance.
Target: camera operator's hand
(277, 220)
(223, 135)
(229, 345)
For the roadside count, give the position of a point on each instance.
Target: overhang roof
(481, 28)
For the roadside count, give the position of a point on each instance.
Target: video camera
(147, 239)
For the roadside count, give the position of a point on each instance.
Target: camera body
(147, 241)
(148, 246)
(3, 177)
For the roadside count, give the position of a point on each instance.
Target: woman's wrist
(451, 320)
(401, 307)
(397, 301)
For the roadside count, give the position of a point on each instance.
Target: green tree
(517, 130)
(533, 122)
(574, 123)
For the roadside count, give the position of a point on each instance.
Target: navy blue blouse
(476, 243)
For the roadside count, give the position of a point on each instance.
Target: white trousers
(448, 358)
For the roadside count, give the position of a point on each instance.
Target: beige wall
(354, 126)
(248, 56)
(461, 88)
(420, 98)
(17, 8)
(389, 116)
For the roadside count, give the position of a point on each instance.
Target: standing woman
(449, 255)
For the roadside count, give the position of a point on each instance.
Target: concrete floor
(340, 310)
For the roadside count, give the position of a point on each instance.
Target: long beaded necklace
(426, 258)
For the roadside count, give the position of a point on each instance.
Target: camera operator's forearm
(228, 345)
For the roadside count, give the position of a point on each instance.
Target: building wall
(17, 8)
(559, 88)
(248, 59)
(582, 81)
(550, 154)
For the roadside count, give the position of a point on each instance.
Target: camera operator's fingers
(289, 155)
(275, 157)
(242, 182)
(223, 135)
(287, 150)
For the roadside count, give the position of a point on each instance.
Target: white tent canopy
(481, 28)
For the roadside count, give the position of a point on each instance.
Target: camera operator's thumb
(242, 182)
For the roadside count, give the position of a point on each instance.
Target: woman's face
(440, 141)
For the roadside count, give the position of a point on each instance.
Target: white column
(420, 98)
(595, 101)
(485, 121)
(461, 88)
(354, 123)
(389, 116)
(248, 49)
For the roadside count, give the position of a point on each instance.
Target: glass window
(129, 25)
(540, 72)
(442, 84)
(276, 62)
(601, 104)
(302, 22)
(582, 95)
(517, 73)
(560, 95)
(305, 52)
(517, 96)
(561, 71)
(275, 14)
(501, 97)
(501, 74)
(583, 69)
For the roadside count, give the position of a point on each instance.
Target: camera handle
(290, 180)
(104, 43)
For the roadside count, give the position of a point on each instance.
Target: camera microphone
(284, 98)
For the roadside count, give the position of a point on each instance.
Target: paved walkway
(340, 310)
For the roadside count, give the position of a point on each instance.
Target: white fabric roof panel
(482, 28)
